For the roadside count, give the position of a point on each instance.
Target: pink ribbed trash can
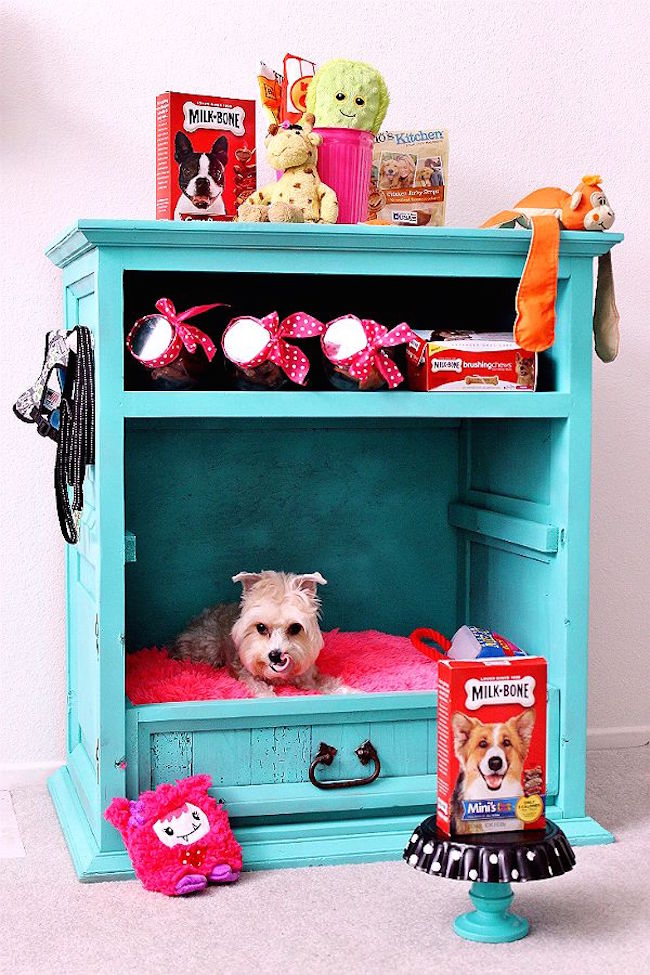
(345, 163)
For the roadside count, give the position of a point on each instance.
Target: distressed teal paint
(422, 509)
(225, 755)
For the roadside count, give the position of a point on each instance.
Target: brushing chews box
(469, 362)
(491, 744)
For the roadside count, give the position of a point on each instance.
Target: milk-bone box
(469, 362)
(205, 156)
(491, 745)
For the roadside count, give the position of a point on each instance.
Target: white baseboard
(601, 738)
(37, 773)
(26, 774)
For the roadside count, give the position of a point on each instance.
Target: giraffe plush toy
(298, 196)
(546, 212)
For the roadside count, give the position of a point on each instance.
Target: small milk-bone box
(469, 362)
(491, 745)
(205, 156)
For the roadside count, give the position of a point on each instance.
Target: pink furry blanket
(367, 661)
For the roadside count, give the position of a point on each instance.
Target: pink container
(345, 163)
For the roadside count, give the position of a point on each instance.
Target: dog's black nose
(495, 763)
(202, 186)
(275, 656)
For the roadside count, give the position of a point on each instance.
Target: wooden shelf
(397, 404)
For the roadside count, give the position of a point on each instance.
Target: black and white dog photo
(201, 177)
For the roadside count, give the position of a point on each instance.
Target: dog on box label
(491, 758)
(200, 177)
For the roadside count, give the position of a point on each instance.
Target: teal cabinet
(420, 509)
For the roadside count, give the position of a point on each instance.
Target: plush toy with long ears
(348, 95)
(178, 837)
(546, 212)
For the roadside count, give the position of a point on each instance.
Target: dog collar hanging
(169, 333)
(248, 342)
(369, 354)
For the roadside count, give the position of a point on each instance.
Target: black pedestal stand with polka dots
(492, 861)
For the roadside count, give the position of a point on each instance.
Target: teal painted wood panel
(403, 751)
(506, 528)
(512, 459)
(397, 404)
(280, 754)
(525, 457)
(171, 757)
(363, 505)
(224, 754)
(509, 592)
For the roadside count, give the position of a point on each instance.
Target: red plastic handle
(434, 653)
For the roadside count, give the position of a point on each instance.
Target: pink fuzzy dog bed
(367, 661)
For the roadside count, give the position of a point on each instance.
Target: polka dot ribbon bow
(289, 358)
(378, 338)
(183, 335)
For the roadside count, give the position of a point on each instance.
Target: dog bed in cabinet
(369, 662)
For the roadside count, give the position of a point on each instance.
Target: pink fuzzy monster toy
(178, 837)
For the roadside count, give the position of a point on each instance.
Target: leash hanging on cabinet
(76, 444)
(61, 404)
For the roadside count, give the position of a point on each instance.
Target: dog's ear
(524, 723)
(309, 581)
(220, 150)
(182, 147)
(247, 579)
(462, 728)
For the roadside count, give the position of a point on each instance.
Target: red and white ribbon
(289, 358)
(189, 336)
(378, 338)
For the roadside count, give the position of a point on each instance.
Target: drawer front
(260, 765)
(262, 768)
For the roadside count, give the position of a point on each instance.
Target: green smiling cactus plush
(348, 95)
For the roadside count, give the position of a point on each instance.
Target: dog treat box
(205, 156)
(491, 744)
(469, 362)
(409, 178)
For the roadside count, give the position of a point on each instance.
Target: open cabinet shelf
(420, 509)
(319, 404)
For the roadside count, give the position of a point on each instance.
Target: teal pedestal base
(491, 920)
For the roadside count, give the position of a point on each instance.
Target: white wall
(533, 94)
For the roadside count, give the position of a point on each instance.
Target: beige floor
(370, 919)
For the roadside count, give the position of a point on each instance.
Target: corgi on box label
(491, 744)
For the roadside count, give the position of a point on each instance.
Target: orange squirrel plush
(546, 212)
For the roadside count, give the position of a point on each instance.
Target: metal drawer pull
(325, 756)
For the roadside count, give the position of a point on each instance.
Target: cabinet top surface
(85, 235)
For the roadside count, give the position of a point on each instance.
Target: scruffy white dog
(272, 637)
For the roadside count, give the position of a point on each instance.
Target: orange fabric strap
(535, 322)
